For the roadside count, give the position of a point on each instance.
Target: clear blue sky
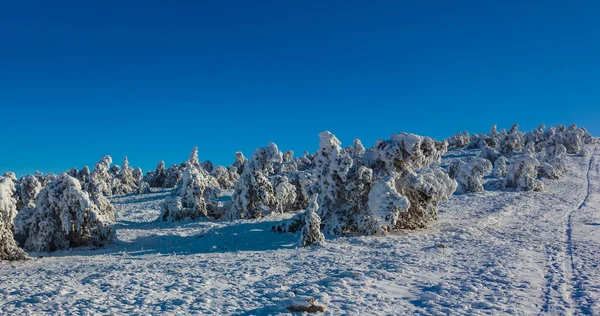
(152, 79)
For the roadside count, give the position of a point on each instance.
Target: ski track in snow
(518, 253)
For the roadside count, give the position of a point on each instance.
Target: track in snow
(562, 275)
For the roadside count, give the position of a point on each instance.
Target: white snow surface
(496, 252)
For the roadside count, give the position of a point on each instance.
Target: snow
(494, 252)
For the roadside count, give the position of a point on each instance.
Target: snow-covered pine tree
(190, 203)
(66, 217)
(331, 167)
(8, 210)
(512, 143)
(285, 195)
(85, 178)
(311, 232)
(125, 183)
(101, 182)
(158, 177)
(27, 191)
(253, 193)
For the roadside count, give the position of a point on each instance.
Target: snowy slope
(493, 253)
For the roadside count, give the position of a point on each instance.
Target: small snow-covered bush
(252, 195)
(311, 232)
(468, 174)
(157, 178)
(424, 190)
(8, 210)
(499, 170)
(512, 142)
(404, 151)
(490, 154)
(356, 150)
(522, 174)
(173, 176)
(288, 163)
(459, 140)
(385, 204)
(66, 217)
(124, 182)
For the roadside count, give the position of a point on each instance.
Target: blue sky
(152, 79)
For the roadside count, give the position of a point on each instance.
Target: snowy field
(498, 252)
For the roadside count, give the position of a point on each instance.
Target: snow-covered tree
(193, 160)
(490, 154)
(285, 195)
(468, 173)
(173, 176)
(190, 203)
(208, 166)
(158, 177)
(85, 178)
(66, 217)
(459, 140)
(252, 194)
(288, 163)
(137, 174)
(304, 163)
(311, 232)
(512, 142)
(499, 170)
(405, 150)
(27, 191)
(101, 182)
(385, 204)
(125, 182)
(73, 172)
(240, 162)
(356, 150)
(223, 176)
(114, 171)
(522, 173)
(143, 187)
(332, 165)
(302, 181)
(8, 210)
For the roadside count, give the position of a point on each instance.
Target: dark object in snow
(306, 306)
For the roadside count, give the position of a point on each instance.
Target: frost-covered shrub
(285, 195)
(424, 190)
(66, 217)
(490, 154)
(573, 140)
(73, 172)
(522, 174)
(114, 171)
(385, 204)
(499, 170)
(143, 188)
(27, 191)
(311, 232)
(512, 142)
(546, 170)
(8, 210)
(405, 150)
(101, 182)
(535, 136)
(468, 174)
(190, 203)
(459, 140)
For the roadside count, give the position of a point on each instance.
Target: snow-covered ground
(492, 253)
